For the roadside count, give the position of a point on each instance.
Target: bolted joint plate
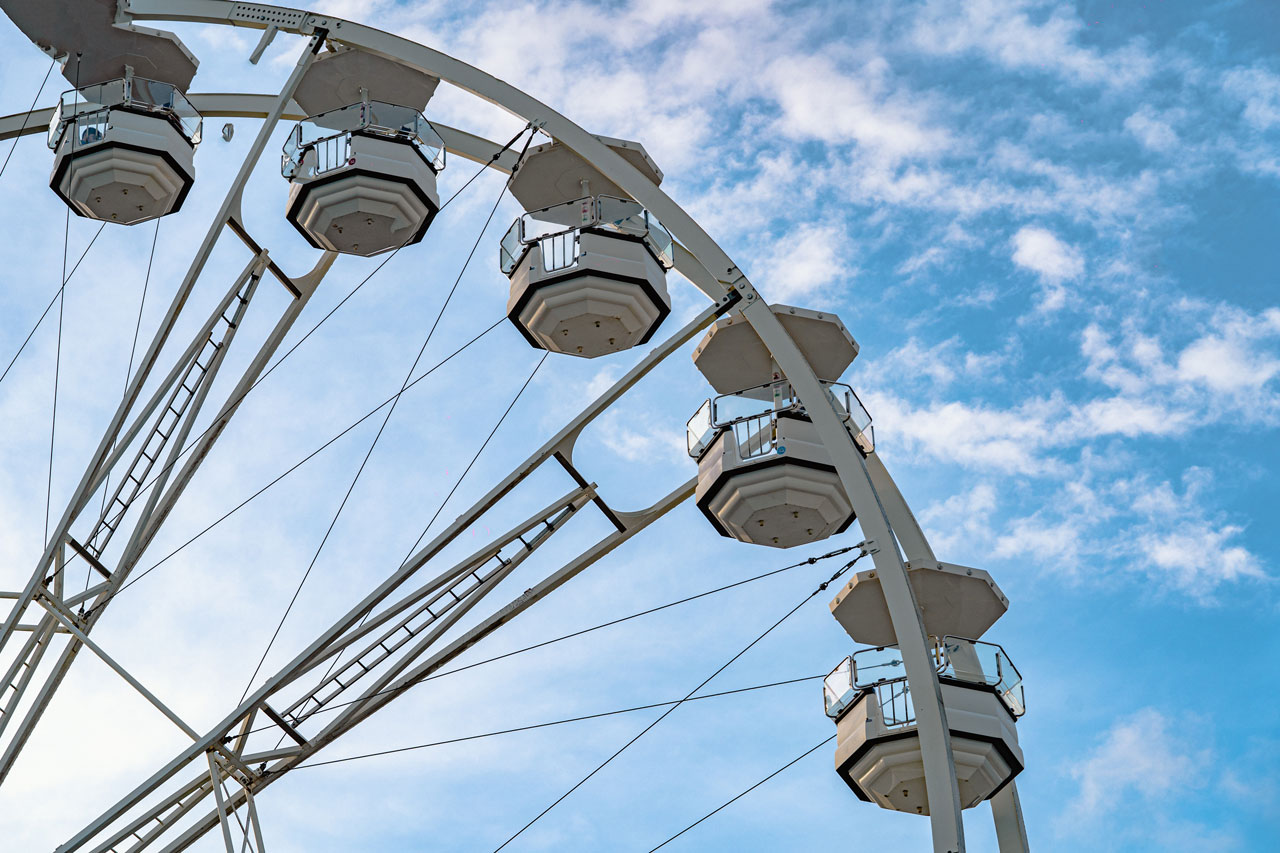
(954, 600)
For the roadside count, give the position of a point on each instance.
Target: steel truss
(141, 434)
(394, 648)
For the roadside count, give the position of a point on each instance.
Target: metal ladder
(175, 407)
(392, 640)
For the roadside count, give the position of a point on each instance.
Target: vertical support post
(223, 818)
(922, 679)
(253, 822)
(230, 206)
(902, 519)
(105, 456)
(1006, 809)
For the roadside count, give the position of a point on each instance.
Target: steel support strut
(877, 511)
(1006, 809)
(725, 278)
(178, 400)
(389, 681)
(405, 617)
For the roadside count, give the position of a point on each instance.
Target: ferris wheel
(781, 454)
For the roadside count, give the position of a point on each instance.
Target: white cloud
(942, 364)
(1198, 555)
(1004, 33)
(602, 381)
(642, 439)
(820, 101)
(1226, 364)
(1143, 757)
(1259, 91)
(804, 261)
(820, 133)
(1040, 251)
(1012, 440)
(1133, 417)
(931, 256)
(1037, 539)
(1226, 371)
(961, 523)
(1150, 130)
(1152, 528)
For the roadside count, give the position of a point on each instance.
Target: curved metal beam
(908, 530)
(725, 278)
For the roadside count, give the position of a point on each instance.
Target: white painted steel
(553, 173)
(901, 518)
(185, 798)
(377, 197)
(947, 828)
(721, 280)
(733, 357)
(349, 76)
(117, 440)
(89, 27)
(1006, 809)
(779, 490)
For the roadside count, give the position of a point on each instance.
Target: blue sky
(1050, 226)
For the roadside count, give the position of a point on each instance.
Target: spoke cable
(728, 803)
(561, 722)
(322, 321)
(128, 371)
(336, 658)
(519, 159)
(191, 445)
(57, 360)
(671, 705)
(27, 117)
(306, 459)
(52, 300)
(401, 688)
(373, 444)
(57, 369)
(822, 586)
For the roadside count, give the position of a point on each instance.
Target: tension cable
(557, 722)
(25, 118)
(821, 587)
(408, 376)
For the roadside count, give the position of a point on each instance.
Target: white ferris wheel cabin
(925, 713)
